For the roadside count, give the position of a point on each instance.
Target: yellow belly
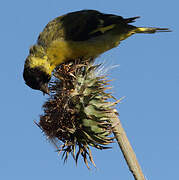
(61, 51)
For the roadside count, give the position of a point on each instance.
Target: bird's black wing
(81, 26)
(85, 24)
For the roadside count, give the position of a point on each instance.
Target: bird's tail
(150, 30)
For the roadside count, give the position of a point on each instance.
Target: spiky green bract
(77, 113)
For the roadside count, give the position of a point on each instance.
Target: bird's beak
(44, 88)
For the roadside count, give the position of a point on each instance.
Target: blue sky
(148, 77)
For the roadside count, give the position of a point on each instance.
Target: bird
(84, 33)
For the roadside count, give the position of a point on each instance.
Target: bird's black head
(36, 78)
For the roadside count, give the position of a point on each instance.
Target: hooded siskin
(86, 33)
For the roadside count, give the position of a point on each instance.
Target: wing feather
(80, 26)
(86, 24)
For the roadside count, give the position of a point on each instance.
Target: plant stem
(126, 149)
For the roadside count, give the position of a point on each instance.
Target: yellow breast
(60, 51)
